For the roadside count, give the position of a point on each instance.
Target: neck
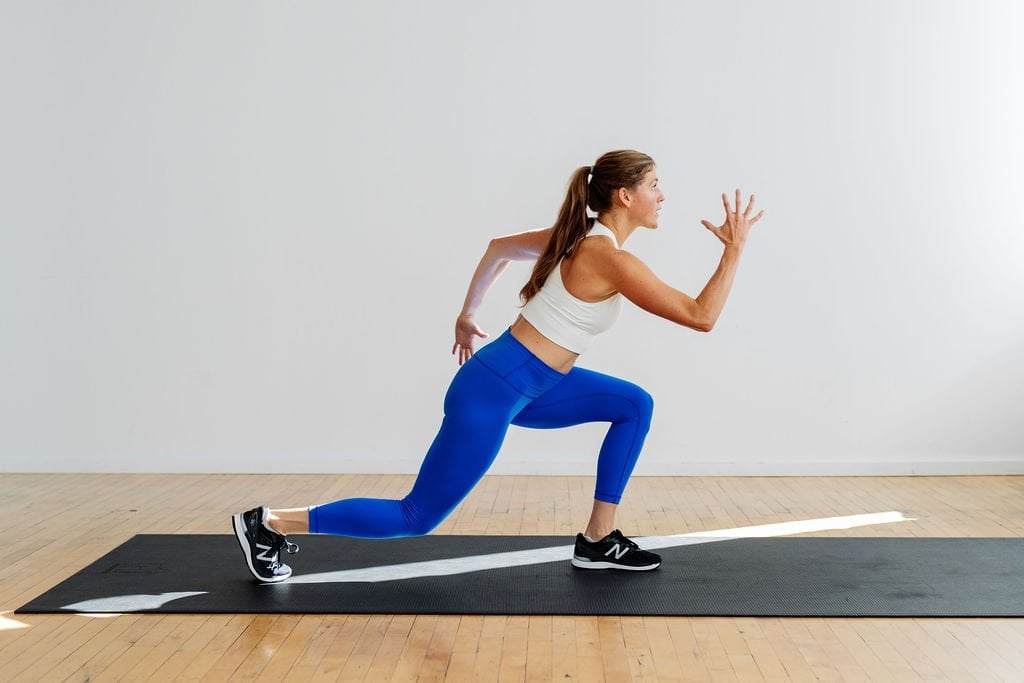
(619, 224)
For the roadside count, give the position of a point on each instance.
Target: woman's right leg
(479, 406)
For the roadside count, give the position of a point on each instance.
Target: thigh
(585, 396)
(478, 409)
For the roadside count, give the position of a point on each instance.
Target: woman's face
(647, 198)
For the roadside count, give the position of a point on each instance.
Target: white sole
(239, 525)
(581, 563)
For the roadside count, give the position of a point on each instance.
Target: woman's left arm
(522, 246)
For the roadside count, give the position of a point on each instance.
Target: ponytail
(569, 230)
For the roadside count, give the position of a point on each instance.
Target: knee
(644, 405)
(419, 522)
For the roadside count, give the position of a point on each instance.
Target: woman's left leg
(588, 396)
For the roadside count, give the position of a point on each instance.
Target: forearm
(491, 266)
(712, 298)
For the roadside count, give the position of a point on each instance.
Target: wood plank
(306, 665)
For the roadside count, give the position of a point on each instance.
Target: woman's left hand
(465, 330)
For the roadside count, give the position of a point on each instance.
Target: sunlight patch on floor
(8, 624)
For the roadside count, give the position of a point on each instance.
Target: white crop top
(570, 322)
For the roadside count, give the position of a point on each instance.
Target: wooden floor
(57, 524)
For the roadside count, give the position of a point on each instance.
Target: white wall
(235, 235)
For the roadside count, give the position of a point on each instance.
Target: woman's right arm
(639, 284)
(521, 246)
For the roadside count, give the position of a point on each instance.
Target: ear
(623, 194)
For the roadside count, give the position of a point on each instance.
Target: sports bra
(570, 322)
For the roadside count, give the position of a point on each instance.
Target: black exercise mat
(806, 576)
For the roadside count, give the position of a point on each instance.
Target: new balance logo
(268, 556)
(618, 550)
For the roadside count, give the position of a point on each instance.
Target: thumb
(480, 333)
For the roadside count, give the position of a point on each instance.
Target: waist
(550, 353)
(507, 354)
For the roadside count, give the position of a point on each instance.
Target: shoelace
(629, 543)
(290, 547)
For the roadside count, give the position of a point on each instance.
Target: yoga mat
(807, 576)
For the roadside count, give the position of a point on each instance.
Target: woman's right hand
(465, 330)
(733, 232)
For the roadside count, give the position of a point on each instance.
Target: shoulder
(601, 251)
(602, 259)
(599, 246)
(620, 267)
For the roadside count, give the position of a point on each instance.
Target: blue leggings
(502, 384)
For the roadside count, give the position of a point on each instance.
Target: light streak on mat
(519, 558)
(130, 603)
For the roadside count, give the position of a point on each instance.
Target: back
(568, 321)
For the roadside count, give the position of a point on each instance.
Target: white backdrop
(235, 235)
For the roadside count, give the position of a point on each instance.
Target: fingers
(465, 351)
(464, 341)
(728, 209)
(739, 201)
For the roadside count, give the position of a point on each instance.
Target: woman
(528, 377)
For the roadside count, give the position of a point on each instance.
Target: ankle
(289, 520)
(277, 524)
(594, 534)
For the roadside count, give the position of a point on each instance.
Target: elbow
(694, 316)
(702, 322)
(697, 324)
(500, 250)
(496, 251)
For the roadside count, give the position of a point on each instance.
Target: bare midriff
(554, 356)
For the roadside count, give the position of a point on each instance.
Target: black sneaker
(614, 551)
(262, 546)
